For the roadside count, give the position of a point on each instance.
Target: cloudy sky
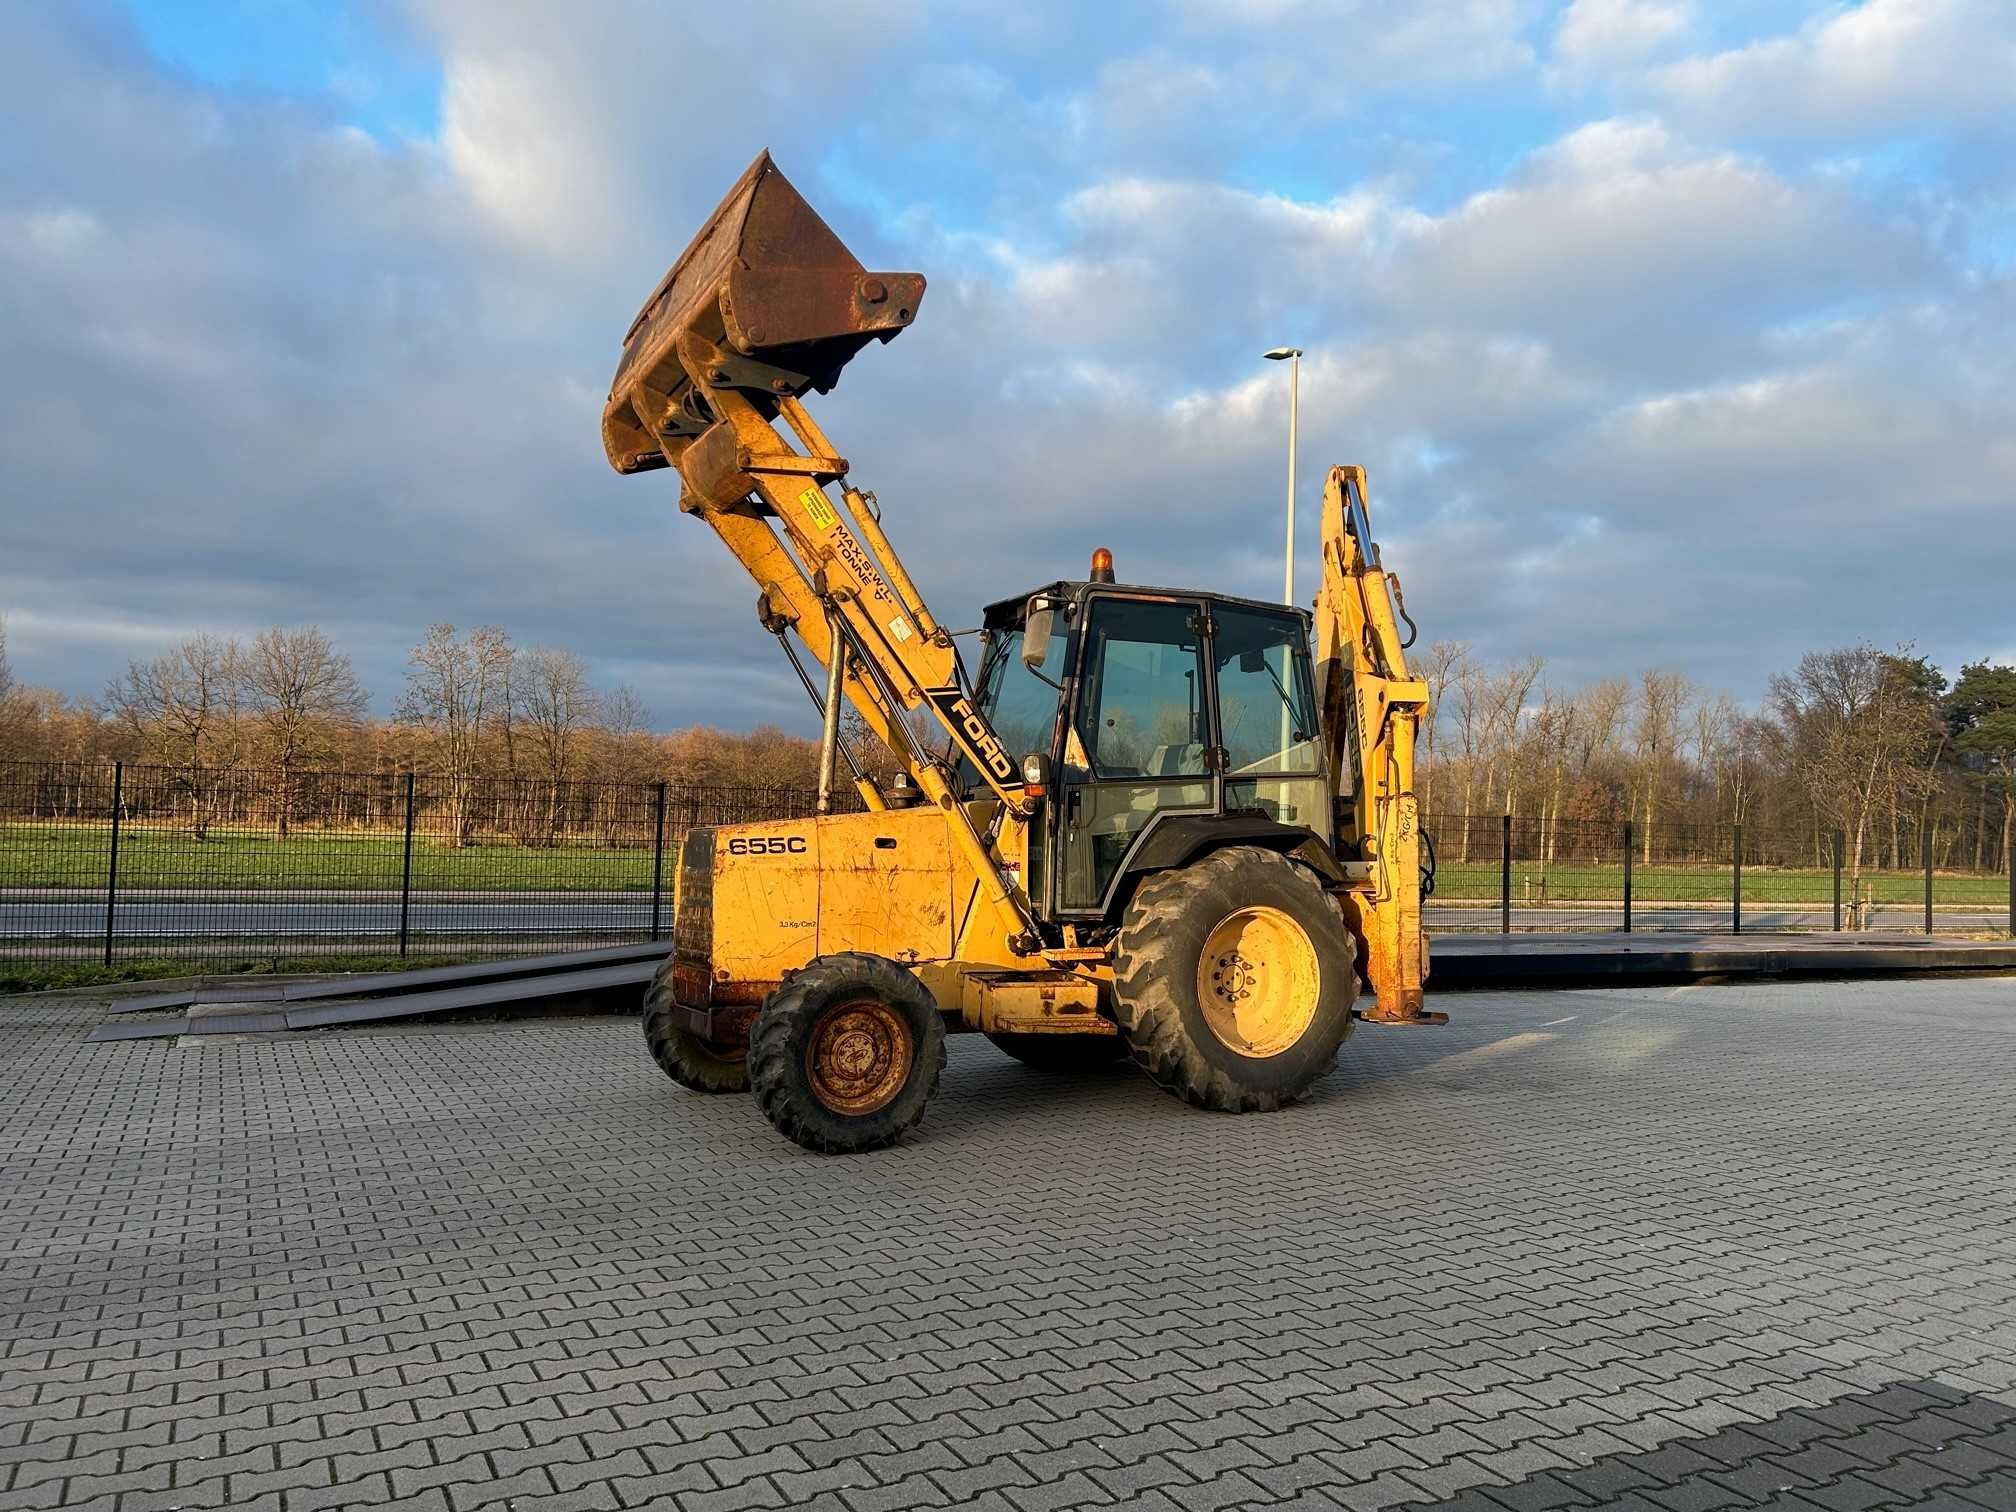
(1672, 332)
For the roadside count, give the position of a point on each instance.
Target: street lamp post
(1293, 355)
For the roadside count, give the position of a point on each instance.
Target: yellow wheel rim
(858, 1057)
(1258, 982)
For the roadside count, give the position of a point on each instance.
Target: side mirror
(1253, 661)
(1036, 637)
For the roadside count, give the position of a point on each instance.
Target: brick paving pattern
(1663, 1250)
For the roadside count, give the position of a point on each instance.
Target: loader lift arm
(1371, 713)
(765, 305)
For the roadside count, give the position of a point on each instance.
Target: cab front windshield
(1021, 706)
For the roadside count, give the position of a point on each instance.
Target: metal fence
(113, 863)
(118, 862)
(1510, 872)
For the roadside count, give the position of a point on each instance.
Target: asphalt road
(1893, 919)
(1648, 1250)
(559, 915)
(295, 915)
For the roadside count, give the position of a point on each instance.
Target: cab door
(1141, 742)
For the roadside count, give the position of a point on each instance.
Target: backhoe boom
(1372, 711)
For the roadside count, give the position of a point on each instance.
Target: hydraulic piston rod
(829, 729)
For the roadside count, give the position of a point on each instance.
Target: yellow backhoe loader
(1159, 826)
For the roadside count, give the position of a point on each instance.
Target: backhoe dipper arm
(1372, 712)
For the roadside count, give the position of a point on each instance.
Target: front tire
(683, 1055)
(1235, 980)
(845, 1055)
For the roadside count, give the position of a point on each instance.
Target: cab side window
(1266, 695)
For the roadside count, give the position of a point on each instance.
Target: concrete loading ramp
(614, 978)
(238, 1005)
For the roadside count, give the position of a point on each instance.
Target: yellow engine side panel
(787, 891)
(885, 884)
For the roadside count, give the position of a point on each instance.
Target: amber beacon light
(1102, 566)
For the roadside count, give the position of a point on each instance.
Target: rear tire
(683, 1055)
(1062, 1052)
(845, 1055)
(1235, 979)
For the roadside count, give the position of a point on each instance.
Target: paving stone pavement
(1659, 1249)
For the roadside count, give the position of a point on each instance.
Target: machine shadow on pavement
(1914, 1442)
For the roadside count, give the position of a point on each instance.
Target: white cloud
(1620, 238)
(1884, 65)
(32, 633)
(620, 122)
(1169, 212)
(60, 232)
(1607, 149)
(1604, 34)
(1286, 58)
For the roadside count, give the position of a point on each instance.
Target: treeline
(513, 741)
(1878, 745)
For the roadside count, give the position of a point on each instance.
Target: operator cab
(1158, 723)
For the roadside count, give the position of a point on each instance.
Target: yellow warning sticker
(819, 507)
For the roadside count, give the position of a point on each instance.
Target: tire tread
(1150, 983)
(774, 1077)
(681, 1054)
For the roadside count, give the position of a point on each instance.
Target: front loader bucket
(768, 284)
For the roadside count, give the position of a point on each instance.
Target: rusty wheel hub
(858, 1057)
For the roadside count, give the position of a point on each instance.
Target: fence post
(1736, 880)
(1627, 876)
(112, 867)
(406, 872)
(658, 862)
(1840, 845)
(1926, 839)
(1505, 878)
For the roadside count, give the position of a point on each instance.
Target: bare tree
(1489, 706)
(623, 712)
(1505, 715)
(1552, 734)
(1740, 765)
(7, 684)
(1655, 740)
(550, 692)
(1472, 725)
(301, 692)
(1445, 659)
(10, 713)
(1860, 727)
(624, 752)
(454, 686)
(1600, 715)
(182, 708)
